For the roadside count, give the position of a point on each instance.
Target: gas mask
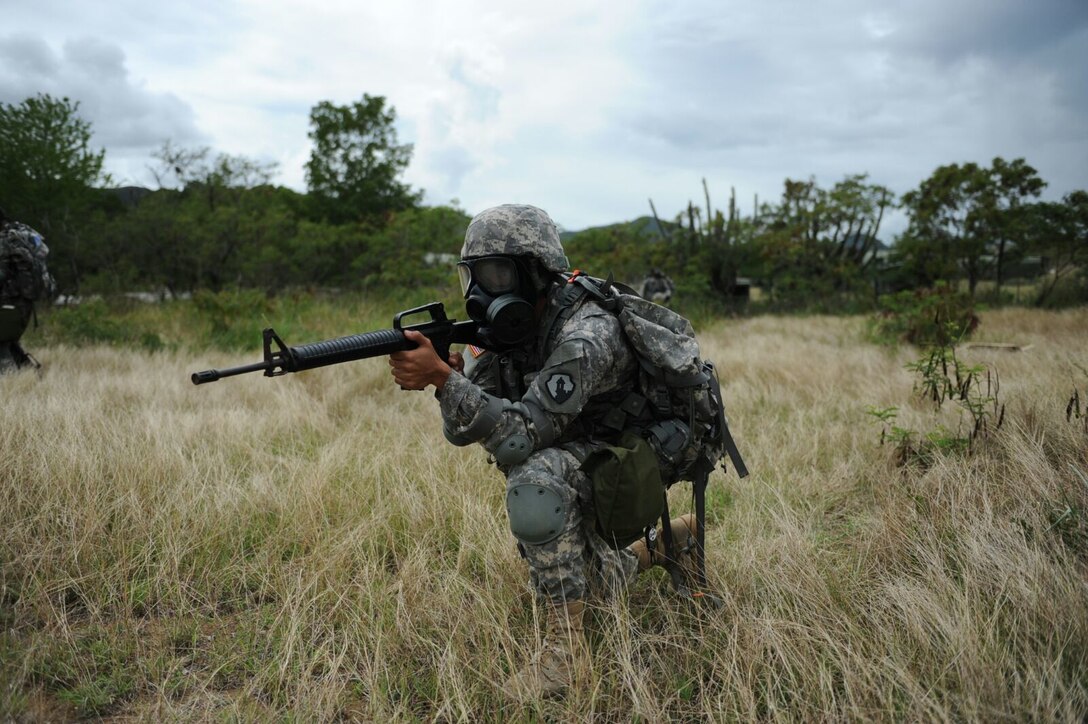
(499, 296)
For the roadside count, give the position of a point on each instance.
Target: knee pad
(537, 513)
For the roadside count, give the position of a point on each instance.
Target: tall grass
(310, 547)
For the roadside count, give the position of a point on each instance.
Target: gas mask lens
(496, 275)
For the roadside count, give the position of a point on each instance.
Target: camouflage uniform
(572, 377)
(657, 287)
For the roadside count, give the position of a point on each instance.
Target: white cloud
(585, 108)
(127, 119)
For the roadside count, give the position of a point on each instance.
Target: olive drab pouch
(628, 492)
(13, 322)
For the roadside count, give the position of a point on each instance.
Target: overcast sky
(582, 107)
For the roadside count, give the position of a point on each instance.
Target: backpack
(24, 276)
(686, 423)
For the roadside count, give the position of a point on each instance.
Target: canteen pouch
(628, 493)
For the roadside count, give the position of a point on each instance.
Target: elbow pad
(513, 450)
(532, 409)
(517, 447)
(481, 427)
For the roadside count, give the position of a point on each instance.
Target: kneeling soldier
(538, 401)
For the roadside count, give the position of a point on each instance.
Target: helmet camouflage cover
(515, 230)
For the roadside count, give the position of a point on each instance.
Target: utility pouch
(628, 492)
(13, 322)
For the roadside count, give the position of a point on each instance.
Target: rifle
(283, 359)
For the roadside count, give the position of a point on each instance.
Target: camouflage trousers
(578, 562)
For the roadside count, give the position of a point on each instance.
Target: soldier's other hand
(414, 369)
(457, 362)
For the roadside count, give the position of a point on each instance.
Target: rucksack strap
(699, 491)
(570, 297)
(728, 442)
(671, 563)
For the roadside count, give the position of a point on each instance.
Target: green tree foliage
(216, 222)
(217, 233)
(964, 220)
(1011, 184)
(418, 247)
(184, 167)
(819, 243)
(946, 220)
(1059, 233)
(708, 245)
(46, 160)
(816, 244)
(47, 168)
(218, 229)
(627, 251)
(355, 164)
(232, 216)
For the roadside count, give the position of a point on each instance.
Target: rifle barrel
(200, 378)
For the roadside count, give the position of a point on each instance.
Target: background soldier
(24, 279)
(657, 287)
(536, 401)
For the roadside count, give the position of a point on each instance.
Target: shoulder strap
(575, 288)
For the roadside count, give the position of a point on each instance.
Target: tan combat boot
(683, 538)
(551, 670)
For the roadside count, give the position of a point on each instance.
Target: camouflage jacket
(554, 393)
(24, 277)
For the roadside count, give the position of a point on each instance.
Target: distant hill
(642, 225)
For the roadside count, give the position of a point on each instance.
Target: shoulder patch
(560, 387)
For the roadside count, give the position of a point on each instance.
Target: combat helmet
(515, 230)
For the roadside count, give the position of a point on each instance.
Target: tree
(947, 212)
(970, 213)
(47, 169)
(418, 247)
(223, 226)
(354, 167)
(705, 246)
(1011, 183)
(850, 217)
(46, 162)
(821, 241)
(187, 166)
(1059, 233)
(626, 250)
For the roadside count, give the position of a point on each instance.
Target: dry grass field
(310, 548)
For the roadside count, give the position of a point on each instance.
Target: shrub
(232, 316)
(924, 317)
(94, 322)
